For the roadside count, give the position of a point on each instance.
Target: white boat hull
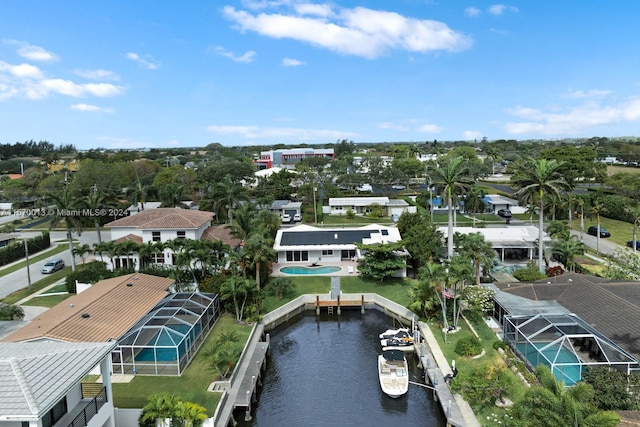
(394, 376)
(403, 348)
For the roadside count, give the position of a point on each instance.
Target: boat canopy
(393, 355)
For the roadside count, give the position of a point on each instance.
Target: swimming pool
(310, 270)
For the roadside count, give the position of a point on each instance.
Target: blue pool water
(310, 270)
(567, 368)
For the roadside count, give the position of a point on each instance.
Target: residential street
(18, 279)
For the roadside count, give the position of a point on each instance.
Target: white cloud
(246, 57)
(67, 87)
(322, 10)
(282, 134)
(146, 61)
(591, 93)
(22, 71)
(91, 108)
(472, 11)
(392, 126)
(98, 74)
(288, 62)
(359, 31)
(499, 9)
(577, 120)
(430, 128)
(471, 134)
(36, 53)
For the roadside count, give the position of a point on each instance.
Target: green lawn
(621, 232)
(192, 385)
(36, 286)
(46, 301)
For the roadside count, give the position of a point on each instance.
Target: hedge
(15, 251)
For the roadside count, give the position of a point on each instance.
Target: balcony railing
(90, 409)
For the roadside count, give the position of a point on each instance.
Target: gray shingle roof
(34, 376)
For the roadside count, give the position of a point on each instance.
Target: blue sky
(133, 74)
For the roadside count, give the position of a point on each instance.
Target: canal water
(322, 371)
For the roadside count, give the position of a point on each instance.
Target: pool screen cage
(565, 343)
(165, 340)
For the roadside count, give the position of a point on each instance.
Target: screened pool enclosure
(565, 343)
(165, 340)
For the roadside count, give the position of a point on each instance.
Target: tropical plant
(474, 202)
(551, 404)
(597, 209)
(451, 180)
(237, 290)
(11, 312)
(565, 250)
(428, 292)
(260, 251)
(634, 216)
(226, 194)
(66, 210)
(381, 260)
(480, 252)
(539, 177)
(81, 251)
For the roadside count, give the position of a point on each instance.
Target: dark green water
(323, 372)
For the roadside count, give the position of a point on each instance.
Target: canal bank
(239, 392)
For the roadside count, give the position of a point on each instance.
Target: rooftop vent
(335, 236)
(129, 284)
(85, 315)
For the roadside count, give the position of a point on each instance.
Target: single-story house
(312, 245)
(512, 242)
(495, 202)
(362, 205)
(43, 384)
(282, 207)
(7, 239)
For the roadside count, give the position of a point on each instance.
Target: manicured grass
(33, 258)
(192, 385)
(621, 232)
(611, 170)
(46, 301)
(36, 286)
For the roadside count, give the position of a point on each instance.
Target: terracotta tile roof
(129, 237)
(612, 307)
(222, 233)
(164, 218)
(112, 306)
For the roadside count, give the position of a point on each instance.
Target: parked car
(297, 218)
(52, 266)
(593, 230)
(630, 244)
(286, 218)
(504, 213)
(398, 187)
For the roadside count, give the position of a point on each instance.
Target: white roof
(357, 201)
(34, 376)
(496, 199)
(509, 235)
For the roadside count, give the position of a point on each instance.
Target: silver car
(52, 265)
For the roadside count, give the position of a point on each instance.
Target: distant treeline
(32, 149)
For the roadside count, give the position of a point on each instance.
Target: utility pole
(26, 254)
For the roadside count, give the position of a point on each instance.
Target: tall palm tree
(237, 289)
(66, 204)
(245, 216)
(95, 201)
(634, 215)
(432, 278)
(260, 250)
(172, 195)
(541, 177)
(226, 194)
(451, 180)
(597, 209)
(474, 202)
(478, 250)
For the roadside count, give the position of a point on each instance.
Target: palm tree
(260, 250)
(451, 180)
(580, 202)
(159, 407)
(432, 279)
(191, 414)
(634, 215)
(67, 206)
(480, 252)
(11, 312)
(566, 249)
(238, 289)
(172, 194)
(540, 177)
(138, 194)
(128, 248)
(597, 209)
(550, 404)
(245, 216)
(474, 202)
(81, 251)
(226, 194)
(94, 201)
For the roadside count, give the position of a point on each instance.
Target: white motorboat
(393, 372)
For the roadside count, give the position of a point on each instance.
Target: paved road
(19, 279)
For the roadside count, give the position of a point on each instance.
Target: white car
(297, 218)
(286, 218)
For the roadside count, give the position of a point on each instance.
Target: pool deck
(344, 265)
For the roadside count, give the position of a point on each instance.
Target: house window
(51, 417)
(157, 258)
(155, 236)
(181, 235)
(327, 252)
(297, 256)
(348, 254)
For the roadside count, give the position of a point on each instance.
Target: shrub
(530, 273)
(500, 344)
(469, 346)
(279, 287)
